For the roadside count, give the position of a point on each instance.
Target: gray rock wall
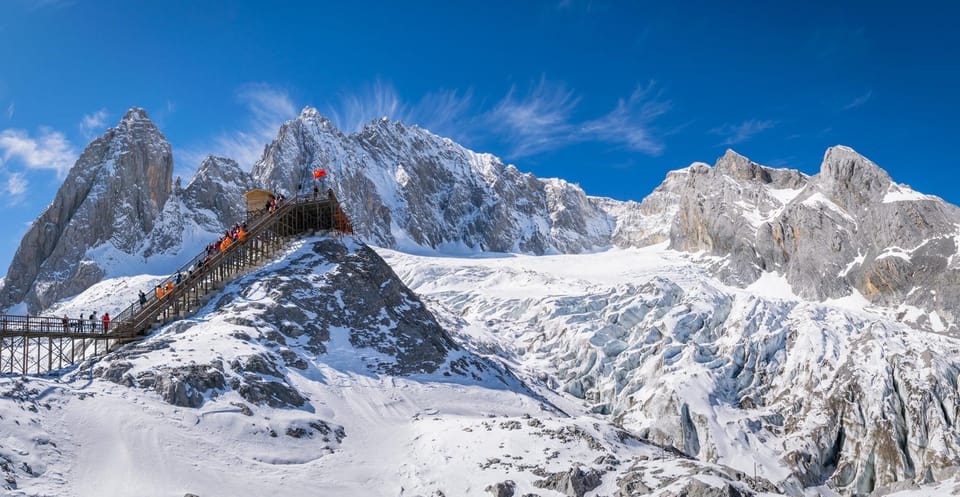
(113, 194)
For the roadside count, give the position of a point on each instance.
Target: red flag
(319, 173)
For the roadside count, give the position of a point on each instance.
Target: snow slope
(318, 374)
(834, 393)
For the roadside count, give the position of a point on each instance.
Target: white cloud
(739, 133)
(49, 150)
(857, 102)
(16, 187)
(92, 123)
(538, 121)
(630, 123)
(356, 110)
(526, 122)
(269, 107)
(10, 110)
(443, 112)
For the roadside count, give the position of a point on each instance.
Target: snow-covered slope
(834, 393)
(318, 374)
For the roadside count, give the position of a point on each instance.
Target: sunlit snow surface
(431, 433)
(626, 329)
(412, 435)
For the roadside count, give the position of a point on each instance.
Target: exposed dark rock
(290, 358)
(502, 489)
(574, 483)
(257, 363)
(244, 409)
(185, 386)
(697, 488)
(631, 484)
(256, 390)
(115, 372)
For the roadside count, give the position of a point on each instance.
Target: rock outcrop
(848, 229)
(110, 200)
(404, 186)
(197, 214)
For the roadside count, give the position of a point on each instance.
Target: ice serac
(402, 186)
(848, 229)
(813, 393)
(112, 196)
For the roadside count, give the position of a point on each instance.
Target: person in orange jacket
(242, 235)
(226, 243)
(168, 289)
(159, 292)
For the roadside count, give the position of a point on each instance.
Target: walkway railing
(34, 344)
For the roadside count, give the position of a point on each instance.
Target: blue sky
(610, 95)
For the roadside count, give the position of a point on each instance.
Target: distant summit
(111, 197)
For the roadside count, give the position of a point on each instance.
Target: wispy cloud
(355, 110)
(92, 123)
(526, 122)
(630, 123)
(738, 133)
(444, 112)
(10, 110)
(16, 188)
(48, 150)
(539, 120)
(268, 107)
(857, 102)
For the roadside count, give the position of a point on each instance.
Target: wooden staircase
(40, 344)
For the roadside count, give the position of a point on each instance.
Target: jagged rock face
(848, 228)
(212, 202)
(112, 196)
(403, 184)
(647, 223)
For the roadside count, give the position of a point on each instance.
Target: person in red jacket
(106, 321)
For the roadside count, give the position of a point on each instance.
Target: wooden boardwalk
(41, 344)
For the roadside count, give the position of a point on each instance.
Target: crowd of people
(236, 234)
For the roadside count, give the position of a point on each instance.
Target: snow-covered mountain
(739, 320)
(319, 374)
(848, 229)
(404, 186)
(120, 213)
(109, 201)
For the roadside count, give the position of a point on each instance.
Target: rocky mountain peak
(851, 179)
(134, 114)
(741, 168)
(311, 114)
(111, 199)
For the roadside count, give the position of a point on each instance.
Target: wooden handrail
(262, 230)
